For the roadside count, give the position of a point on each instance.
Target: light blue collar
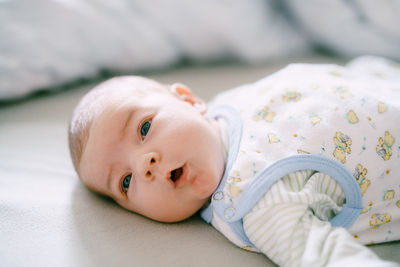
(232, 118)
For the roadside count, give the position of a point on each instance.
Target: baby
(147, 146)
(280, 166)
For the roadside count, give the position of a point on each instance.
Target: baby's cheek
(203, 187)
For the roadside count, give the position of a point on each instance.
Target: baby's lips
(174, 176)
(183, 179)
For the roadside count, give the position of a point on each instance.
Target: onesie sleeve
(290, 224)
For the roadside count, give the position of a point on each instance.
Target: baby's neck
(221, 129)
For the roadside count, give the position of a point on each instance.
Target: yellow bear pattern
(315, 119)
(388, 195)
(273, 138)
(382, 107)
(379, 219)
(352, 117)
(264, 114)
(384, 148)
(360, 176)
(343, 143)
(291, 95)
(343, 126)
(233, 189)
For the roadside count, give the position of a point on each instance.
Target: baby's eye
(144, 129)
(125, 183)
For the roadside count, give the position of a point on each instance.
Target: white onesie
(307, 145)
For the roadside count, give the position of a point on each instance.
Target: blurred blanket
(49, 42)
(350, 27)
(46, 43)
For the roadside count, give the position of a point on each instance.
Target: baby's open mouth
(176, 174)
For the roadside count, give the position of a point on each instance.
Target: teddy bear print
(343, 143)
(384, 149)
(352, 117)
(379, 219)
(231, 181)
(382, 107)
(315, 119)
(273, 138)
(360, 175)
(291, 95)
(264, 114)
(388, 195)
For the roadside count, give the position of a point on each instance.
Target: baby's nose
(150, 164)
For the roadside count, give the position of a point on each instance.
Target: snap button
(229, 213)
(219, 195)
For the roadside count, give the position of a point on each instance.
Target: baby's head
(148, 146)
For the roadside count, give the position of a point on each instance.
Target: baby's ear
(184, 93)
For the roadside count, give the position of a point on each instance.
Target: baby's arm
(334, 246)
(290, 225)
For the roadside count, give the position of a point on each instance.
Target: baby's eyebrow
(109, 179)
(113, 186)
(127, 122)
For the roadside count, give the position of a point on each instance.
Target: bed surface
(48, 218)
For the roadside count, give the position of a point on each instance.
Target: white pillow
(352, 27)
(44, 43)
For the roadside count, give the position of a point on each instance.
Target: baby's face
(155, 155)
